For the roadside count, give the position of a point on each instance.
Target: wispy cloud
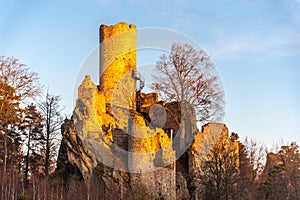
(282, 42)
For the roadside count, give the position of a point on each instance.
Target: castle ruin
(117, 128)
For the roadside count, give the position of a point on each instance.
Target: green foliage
(32, 132)
(21, 197)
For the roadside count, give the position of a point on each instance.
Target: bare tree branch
(17, 75)
(185, 76)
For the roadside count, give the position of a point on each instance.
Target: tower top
(108, 31)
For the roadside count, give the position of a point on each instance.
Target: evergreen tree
(282, 179)
(34, 139)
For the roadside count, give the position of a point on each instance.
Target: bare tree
(51, 113)
(252, 156)
(219, 171)
(256, 153)
(18, 76)
(186, 75)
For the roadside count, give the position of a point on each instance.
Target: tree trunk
(27, 161)
(2, 183)
(13, 185)
(38, 191)
(47, 161)
(88, 189)
(8, 187)
(5, 154)
(44, 190)
(33, 187)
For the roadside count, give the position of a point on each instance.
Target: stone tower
(117, 60)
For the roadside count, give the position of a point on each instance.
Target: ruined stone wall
(120, 138)
(148, 100)
(212, 135)
(151, 150)
(106, 115)
(85, 112)
(203, 142)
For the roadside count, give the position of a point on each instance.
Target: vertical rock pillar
(118, 61)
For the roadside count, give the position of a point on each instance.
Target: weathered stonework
(105, 116)
(114, 115)
(212, 134)
(118, 57)
(74, 151)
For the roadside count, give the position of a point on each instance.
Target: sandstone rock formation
(74, 151)
(127, 139)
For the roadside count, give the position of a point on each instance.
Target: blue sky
(255, 45)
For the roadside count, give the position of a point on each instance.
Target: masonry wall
(117, 58)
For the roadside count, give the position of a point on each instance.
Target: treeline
(30, 139)
(236, 170)
(29, 130)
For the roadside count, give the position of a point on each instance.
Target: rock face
(211, 134)
(156, 184)
(107, 132)
(203, 143)
(125, 139)
(73, 151)
(93, 139)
